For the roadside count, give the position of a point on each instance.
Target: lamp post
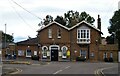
(75, 52)
(38, 50)
(5, 35)
(97, 48)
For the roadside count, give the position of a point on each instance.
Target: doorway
(54, 52)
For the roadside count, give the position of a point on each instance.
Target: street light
(97, 48)
(5, 35)
(53, 41)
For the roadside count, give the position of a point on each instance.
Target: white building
(118, 5)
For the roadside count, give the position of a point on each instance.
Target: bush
(35, 57)
(82, 58)
(110, 59)
(6, 55)
(106, 59)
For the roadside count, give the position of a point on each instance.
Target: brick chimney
(99, 23)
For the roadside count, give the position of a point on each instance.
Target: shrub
(82, 58)
(35, 57)
(110, 59)
(6, 55)
(106, 59)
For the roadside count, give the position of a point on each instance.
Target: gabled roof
(78, 24)
(54, 22)
(31, 41)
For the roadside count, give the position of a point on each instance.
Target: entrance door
(54, 54)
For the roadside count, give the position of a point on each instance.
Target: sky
(23, 24)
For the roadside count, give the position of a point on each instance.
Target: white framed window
(59, 33)
(92, 54)
(64, 51)
(83, 53)
(28, 53)
(111, 55)
(20, 53)
(49, 33)
(44, 51)
(83, 35)
(0, 52)
(105, 55)
(35, 52)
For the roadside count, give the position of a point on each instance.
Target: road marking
(67, 67)
(18, 71)
(57, 71)
(99, 72)
(61, 70)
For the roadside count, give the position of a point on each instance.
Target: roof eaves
(51, 24)
(85, 23)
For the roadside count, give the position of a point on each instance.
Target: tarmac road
(82, 68)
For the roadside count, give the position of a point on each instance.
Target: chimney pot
(99, 23)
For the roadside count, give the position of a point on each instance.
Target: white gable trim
(85, 23)
(51, 24)
(67, 27)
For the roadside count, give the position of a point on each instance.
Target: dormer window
(83, 36)
(59, 33)
(49, 33)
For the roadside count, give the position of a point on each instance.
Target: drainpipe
(70, 46)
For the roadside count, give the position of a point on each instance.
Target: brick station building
(59, 43)
(56, 42)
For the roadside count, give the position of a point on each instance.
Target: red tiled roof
(31, 41)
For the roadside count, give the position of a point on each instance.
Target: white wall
(119, 56)
(118, 5)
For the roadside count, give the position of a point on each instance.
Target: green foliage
(70, 18)
(114, 22)
(115, 26)
(48, 19)
(60, 20)
(9, 38)
(74, 18)
(110, 39)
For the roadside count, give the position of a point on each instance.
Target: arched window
(64, 51)
(59, 33)
(105, 55)
(111, 55)
(49, 33)
(44, 51)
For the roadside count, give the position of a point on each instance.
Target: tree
(115, 26)
(71, 18)
(9, 38)
(60, 20)
(110, 39)
(48, 19)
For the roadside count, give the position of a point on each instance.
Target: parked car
(81, 58)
